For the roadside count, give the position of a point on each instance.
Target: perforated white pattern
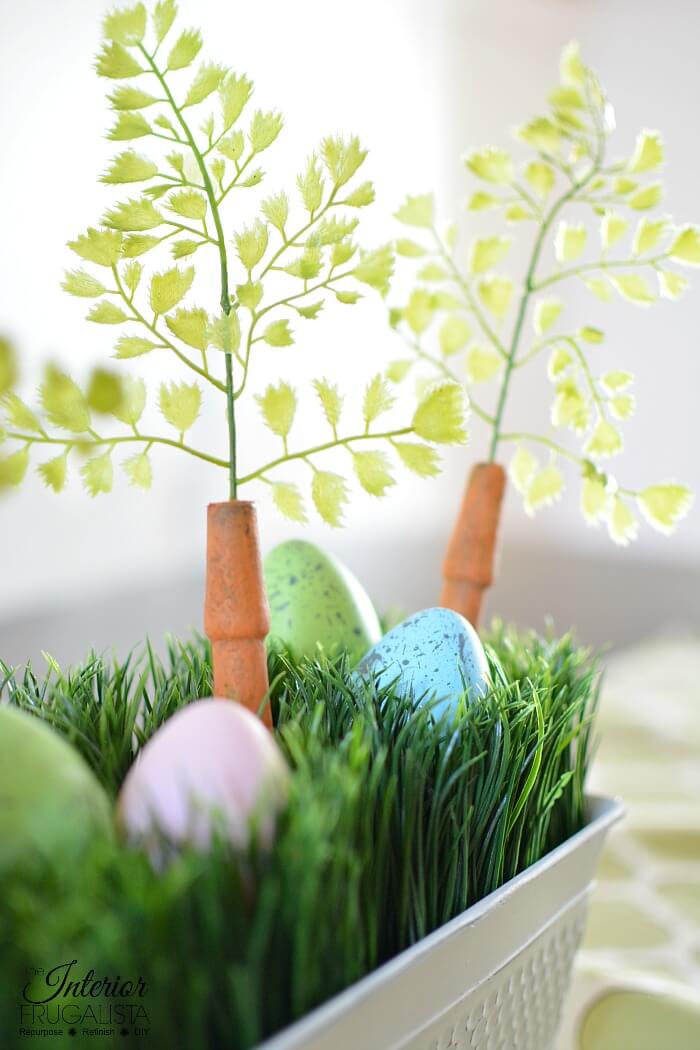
(517, 1008)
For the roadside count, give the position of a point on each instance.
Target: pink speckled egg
(211, 768)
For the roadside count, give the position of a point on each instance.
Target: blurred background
(421, 82)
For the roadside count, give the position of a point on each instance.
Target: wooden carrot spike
(236, 616)
(469, 561)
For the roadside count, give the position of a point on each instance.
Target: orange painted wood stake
(469, 561)
(236, 615)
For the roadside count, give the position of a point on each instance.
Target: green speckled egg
(50, 801)
(314, 599)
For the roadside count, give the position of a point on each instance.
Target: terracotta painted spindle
(236, 615)
(469, 562)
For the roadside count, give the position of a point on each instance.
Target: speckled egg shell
(432, 655)
(211, 768)
(315, 600)
(50, 800)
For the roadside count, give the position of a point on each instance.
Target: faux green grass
(394, 825)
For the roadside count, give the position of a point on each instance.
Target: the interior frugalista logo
(69, 1000)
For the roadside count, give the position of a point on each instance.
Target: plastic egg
(211, 769)
(314, 600)
(433, 655)
(50, 800)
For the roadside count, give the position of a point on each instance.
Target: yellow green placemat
(637, 985)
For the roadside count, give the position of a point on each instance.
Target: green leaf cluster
(189, 142)
(469, 318)
(439, 418)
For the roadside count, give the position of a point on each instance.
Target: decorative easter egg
(212, 768)
(315, 600)
(433, 655)
(50, 800)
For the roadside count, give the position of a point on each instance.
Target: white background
(421, 82)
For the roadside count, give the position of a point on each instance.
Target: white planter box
(494, 978)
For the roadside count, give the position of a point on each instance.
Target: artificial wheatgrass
(392, 829)
(465, 306)
(284, 267)
(109, 709)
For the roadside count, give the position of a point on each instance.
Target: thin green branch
(213, 143)
(559, 164)
(536, 348)
(559, 450)
(288, 242)
(442, 367)
(436, 362)
(154, 330)
(246, 358)
(234, 181)
(471, 301)
(179, 180)
(146, 439)
(223, 264)
(602, 264)
(478, 410)
(183, 228)
(336, 443)
(590, 380)
(530, 286)
(539, 439)
(528, 198)
(166, 138)
(287, 301)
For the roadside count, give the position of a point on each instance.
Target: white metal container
(494, 978)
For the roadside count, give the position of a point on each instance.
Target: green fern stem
(528, 290)
(601, 264)
(153, 328)
(469, 296)
(231, 419)
(288, 457)
(531, 286)
(560, 450)
(288, 301)
(540, 439)
(69, 443)
(447, 372)
(223, 266)
(596, 396)
(96, 439)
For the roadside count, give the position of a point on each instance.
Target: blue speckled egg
(315, 600)
(433, 655)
